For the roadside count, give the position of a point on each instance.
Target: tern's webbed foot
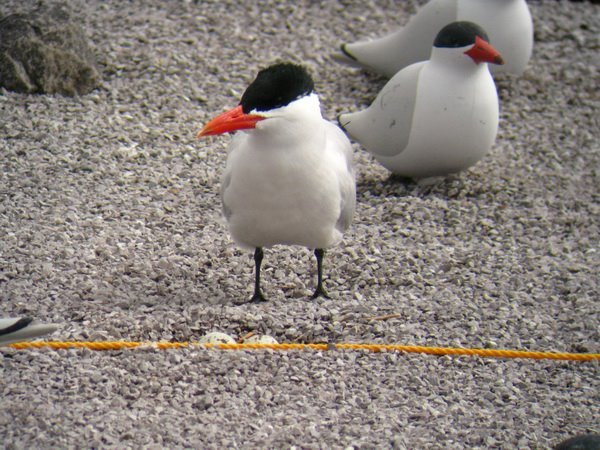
(258, 297)
(320, 292)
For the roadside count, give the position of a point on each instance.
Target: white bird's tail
(17, 329)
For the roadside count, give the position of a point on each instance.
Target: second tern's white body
(432, 118)
(507, 22)
(290, 180)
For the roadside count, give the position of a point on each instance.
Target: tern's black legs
(258, 257)
(320, 291)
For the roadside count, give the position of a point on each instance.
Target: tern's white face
(300, 112)
(479, 52)
(467, 57)
(279, 124)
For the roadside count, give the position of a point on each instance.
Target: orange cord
(487, 353)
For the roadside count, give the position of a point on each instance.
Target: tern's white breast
(287, 195)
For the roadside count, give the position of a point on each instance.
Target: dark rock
(43, 51)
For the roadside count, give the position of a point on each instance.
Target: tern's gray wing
(384, 127)
(225, 181)
(234, 147)
(338, 142)
(348, 205)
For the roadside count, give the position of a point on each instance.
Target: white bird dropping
(434, 117)
(289, 177)
(507, 22)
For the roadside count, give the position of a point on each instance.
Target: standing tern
(508, 23)
(438, 116)
(289, 177)
(17, 329)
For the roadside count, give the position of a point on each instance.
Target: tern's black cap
(276, 86)
(459, 34)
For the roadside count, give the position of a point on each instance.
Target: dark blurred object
(583, 442)
(43, 51)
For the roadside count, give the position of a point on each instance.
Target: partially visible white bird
(289, 177)
(438, 116)
(17, 329)
(508, 23)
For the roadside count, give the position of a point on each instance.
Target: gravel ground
(110, 224)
